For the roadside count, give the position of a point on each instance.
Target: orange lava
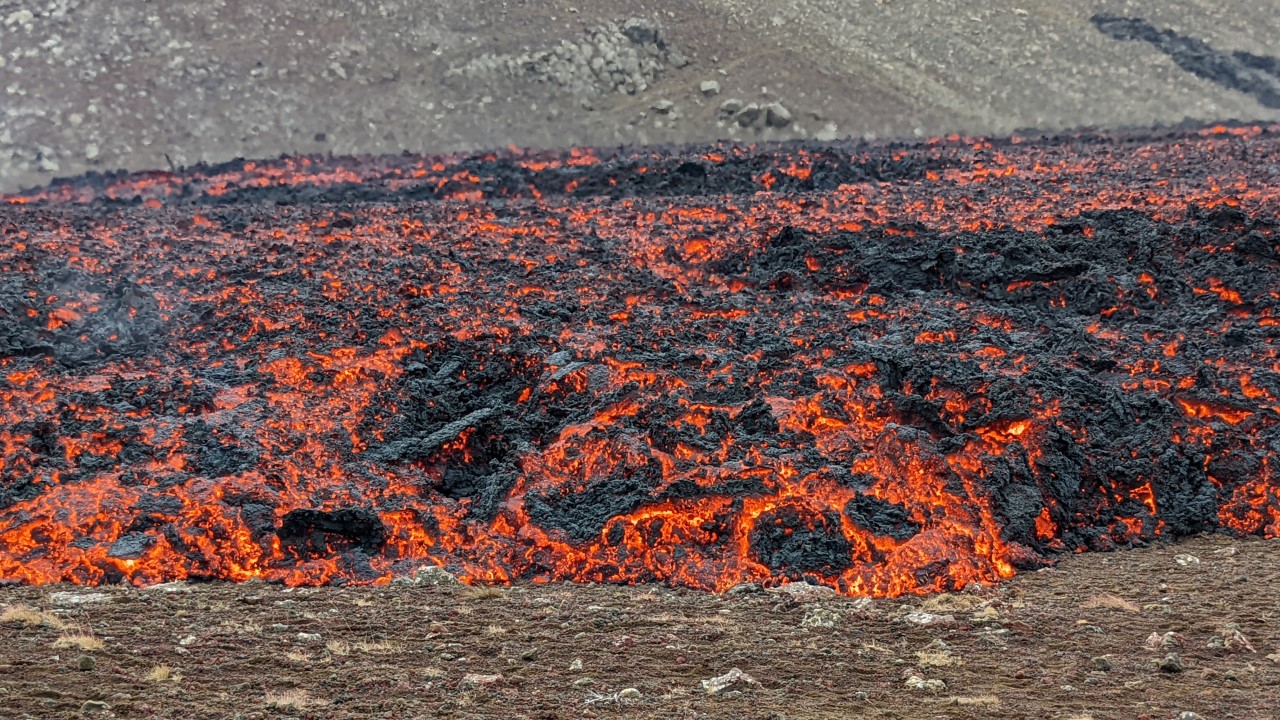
(198, 362)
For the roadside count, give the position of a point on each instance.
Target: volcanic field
(886, 368)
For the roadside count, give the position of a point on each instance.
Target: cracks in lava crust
(887, 369)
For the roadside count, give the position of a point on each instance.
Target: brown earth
(1084, 640)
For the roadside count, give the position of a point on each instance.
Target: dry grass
(876, 647)
(30, 617)
(484, 592)
(495, 630)
(663, 618)
(950, 602)
(162, 674)
(377, 647)
(1111, 602)
(21, 614)
(297, 656)
(675, 693)
(342, 648)
(79, 639)
(237, 627)
(937, 658)
(989, 701)
(293, 700)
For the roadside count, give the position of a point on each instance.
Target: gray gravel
(96, 85)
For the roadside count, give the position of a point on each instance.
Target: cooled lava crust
(891, 368)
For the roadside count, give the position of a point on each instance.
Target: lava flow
(884, 368)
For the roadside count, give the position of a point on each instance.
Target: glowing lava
(888, 369)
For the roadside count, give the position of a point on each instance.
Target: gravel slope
(91, 85)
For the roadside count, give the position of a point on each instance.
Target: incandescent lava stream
(886, 368)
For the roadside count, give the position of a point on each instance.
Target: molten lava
(884, 368)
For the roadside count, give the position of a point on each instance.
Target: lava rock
(926, 619)
(430, 575)
(748, 116)
(663, 106)
(1233, 639)
(309, 530)
(915, 682)
(987, 614)
(747, 588)
(734, 680)
(821, 617)
(642, 32)
(624, 58)
(131, 546)
(881, 517)
(67, 598)
(793, 541)
(803, 591)
(1171, 663)
(776, 115)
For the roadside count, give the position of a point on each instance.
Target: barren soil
(1035, 647)
(95, 85)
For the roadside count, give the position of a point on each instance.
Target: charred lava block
(312, 532)
(792, 542)
(881, 517)
(887, 368)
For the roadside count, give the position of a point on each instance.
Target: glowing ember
(885, 369)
